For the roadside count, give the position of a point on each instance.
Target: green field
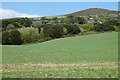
(88, 56)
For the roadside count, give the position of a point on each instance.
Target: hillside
(92, 11)
(82, 48)
(89, 56)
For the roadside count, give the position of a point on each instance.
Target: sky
(36, 9)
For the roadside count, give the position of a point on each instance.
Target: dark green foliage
(5, 23)
(53, 31)
(57, 31)
(72, 19)
(55, 20)
(44, 20)
(98, 27)
(17, 22)
(72, 29)
(40, 26)
(69, 19)
(103, 27)
(80, 20)
(12, 37)
(6, 38)
(113, 22)
(15, 37)
(55, 27)
(25, 22)
(10, 26)
(109, 25)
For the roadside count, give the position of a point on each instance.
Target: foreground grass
(51, 70)
(82, 56)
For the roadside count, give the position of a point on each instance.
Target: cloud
(8, 13)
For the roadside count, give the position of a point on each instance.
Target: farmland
(87, 56)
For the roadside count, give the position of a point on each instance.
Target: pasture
(87, 56)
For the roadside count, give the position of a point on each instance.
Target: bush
(6, 38)
(12, 37)
(15, 37)
(72, 29)
(103, 27)
(98, 27)
(53, 31)
(117, 28)
(10, 26)
(86, 27)
(36, 23)
(29, 35)
(108, 25)
(80, 20)
(17, 25)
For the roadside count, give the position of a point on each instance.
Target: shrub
(103, 27)
(29, 35)
(15, 37)
(86, 27)
(80, 20)
(53, 31)
(72, 29)
(98, 27)
(6, 38)
(12, 37)
(57, 31)
(10, 26)
(17, 25)
(36, 23)
(117, 28)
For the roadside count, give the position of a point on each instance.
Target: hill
(82, 48)
(89, 56)
(93, 11)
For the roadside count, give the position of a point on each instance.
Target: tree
(17, 25)
(44, 20)
(53, 31)
(15, 37)
(5, 23)
(98, 27)
(86, 27)
(55, 20)
(39, 25)
(69, 19)
(80, 20)
(11, 37)
(10, 26)
(103, 27)
(29, 35)
(113, 22)
(27, 22)
(72, 29)
(6, 38)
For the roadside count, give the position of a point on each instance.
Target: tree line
(19, 31)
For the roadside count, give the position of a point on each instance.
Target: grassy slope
(98, 47)
(64, 58)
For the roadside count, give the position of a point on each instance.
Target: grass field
(88, 56)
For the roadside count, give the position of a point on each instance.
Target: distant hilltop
(93, 11)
